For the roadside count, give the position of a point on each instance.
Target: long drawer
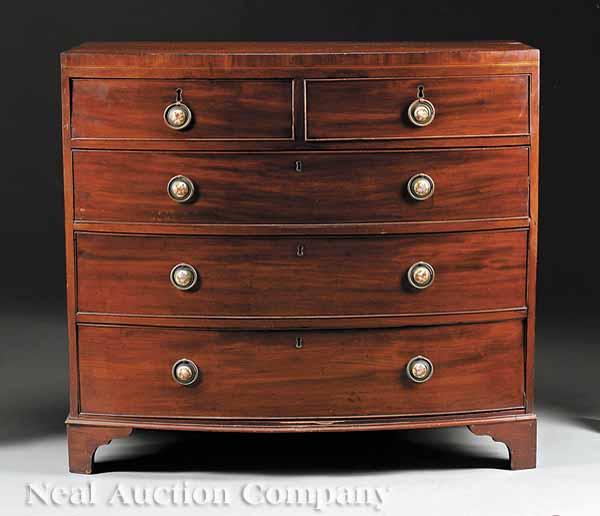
(129, 371)
(300, 187)
(250, 276)
(373, 109)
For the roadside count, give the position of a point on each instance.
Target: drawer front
(128, 371)
(378, 108)
(220, 109)
(330, 188)
(247, 276)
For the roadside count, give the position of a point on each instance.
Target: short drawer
(129, 371)
(351, 109)
(220, 109)
(300, 188)
(249, 276)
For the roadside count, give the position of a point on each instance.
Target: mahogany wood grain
(303, 323)
(292, 425)
(222, 109)
(299, 144)
(335, 276)
(268, 122)
(121, 57)
(127, 371)
(330, 188)
(70, 260)
(520, 439)
(377, 108)
(84, 440)
(532, 245)
(304, 229)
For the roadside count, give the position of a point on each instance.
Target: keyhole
(178, 95)
(300, 250)
(298, 166)
(421, 91)
(299, 342)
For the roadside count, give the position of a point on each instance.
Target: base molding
(87, 434)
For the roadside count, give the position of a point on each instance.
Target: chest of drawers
(300, 237)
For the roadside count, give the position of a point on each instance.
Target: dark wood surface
(532, 244)
(330, 188)
(352, 125)
(299, 143)
(265, 277)
(520, 439)
(313, 425)
(303, 323)
(112, 49)
(127, 371)
(284, 56)
(377, 108)
(85, 440)
(304, 229)
(222, 109)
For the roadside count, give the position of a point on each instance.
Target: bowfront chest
(285, 237)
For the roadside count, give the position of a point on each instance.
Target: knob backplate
(411, 186)
(177, 116)
(415, 269)
(191, 189)
(423, 363)
(416, 107)
(184, 362)
(188, 268)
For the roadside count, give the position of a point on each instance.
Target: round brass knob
(419, 369)
(177, 115)
(420, 187)
(421, 275)
(185, 372)
(184, 276)
(181, 189)
(421, 112)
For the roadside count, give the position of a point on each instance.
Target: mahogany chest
(300, 237)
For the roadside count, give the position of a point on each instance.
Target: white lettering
(299, 496)
(361, 496)
(158, 493)
(120, 496)
(324, 498)
(46, 494)
(201, 496)
(59, 495)
(251, 499)
(141, 496)
(177, 494)
(32, 490)
(187, 493)
(220, 496)
(93, 498)
(344, 496)
(379, 493)
(274, 495)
